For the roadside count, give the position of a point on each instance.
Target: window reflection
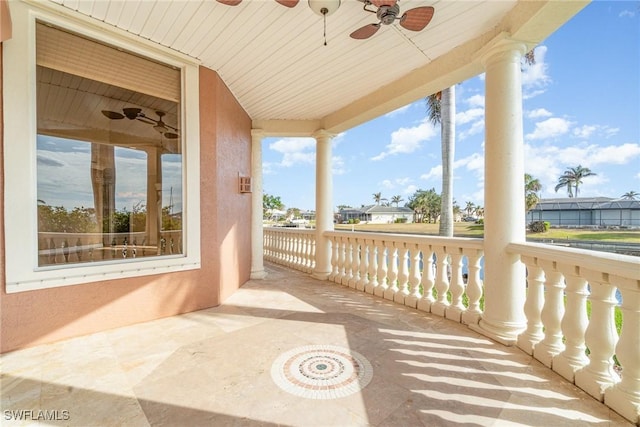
(109, 158)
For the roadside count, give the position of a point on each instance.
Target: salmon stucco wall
(37, 317)
(225, 152)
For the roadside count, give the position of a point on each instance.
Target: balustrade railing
(573, 297)
(292, 247)
(433, 274)
(69, 248)
(571, 305)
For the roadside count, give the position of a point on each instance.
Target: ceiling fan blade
(112, 115)
(417, 18)
(230, 2)
(365, 32)
(378, 3)
(170, 135)
(287, 3)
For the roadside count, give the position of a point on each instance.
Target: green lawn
(465, 229)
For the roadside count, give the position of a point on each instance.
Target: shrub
(539, 226)
(401, 220)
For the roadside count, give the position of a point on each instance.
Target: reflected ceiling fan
(132, 113)
(388, 11)
(287, 3)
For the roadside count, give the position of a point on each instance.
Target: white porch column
(504, 222)
(257, 234)
(324, 204)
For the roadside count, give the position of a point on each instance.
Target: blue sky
(581, 107)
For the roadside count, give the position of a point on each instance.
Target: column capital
(323, 133)
(502, 47)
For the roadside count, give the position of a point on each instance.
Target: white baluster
(427, 280)
(533, 306)
(624, 397)
(383, 256)
(403, 275)
(412, 299)
(472, 314)
(392, 280)
(574, 324)
(551, 315)
(373, 268)
(335, 267)
(342, 247)
(363, 279)
(356, 259)
(601, 337)
(348, 261)
(455, 309)
(442, 283)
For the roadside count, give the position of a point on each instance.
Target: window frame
(20, 181)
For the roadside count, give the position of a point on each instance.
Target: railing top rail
(459, 242)
(626, 266)
(290, 230)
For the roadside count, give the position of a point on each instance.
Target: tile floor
(291, 351)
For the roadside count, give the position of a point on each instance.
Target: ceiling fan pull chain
(324, 18)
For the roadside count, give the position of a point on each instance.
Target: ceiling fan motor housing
(388, 14)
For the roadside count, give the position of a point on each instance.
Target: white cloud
(407, 140)
(547, 163)
(586, 131)
(627, 14)
(434, 173)
(550, 128)
(539, 113)
(476, 128)
(295, 150)
(470, 115)
(410, 189)
(338, 166)
(397, 182)
(476, 101)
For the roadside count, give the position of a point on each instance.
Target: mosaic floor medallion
(321, 371)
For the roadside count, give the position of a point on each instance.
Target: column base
(321, 275)
(504, 335)
(258, 275)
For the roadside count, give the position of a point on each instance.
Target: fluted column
(504, 221)
(257, 233)
(324, 204)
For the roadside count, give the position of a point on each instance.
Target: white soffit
(273, 58)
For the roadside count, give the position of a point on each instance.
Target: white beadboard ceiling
(273, 59)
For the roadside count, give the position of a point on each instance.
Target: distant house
(376, 214)
(587, 211)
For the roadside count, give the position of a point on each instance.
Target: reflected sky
(64, 175)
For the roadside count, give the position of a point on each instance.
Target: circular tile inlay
(321, 371)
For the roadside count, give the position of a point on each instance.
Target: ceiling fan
(387, 11)
(132, 113)
(287, 3)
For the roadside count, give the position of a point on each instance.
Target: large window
(102, 166)
(108, 157)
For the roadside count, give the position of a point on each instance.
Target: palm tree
(630, 195)
(441, 108)
(397, 199)
(469, 207)
(572, 178)
(377, 197)
(531, 187)
(565, 181)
